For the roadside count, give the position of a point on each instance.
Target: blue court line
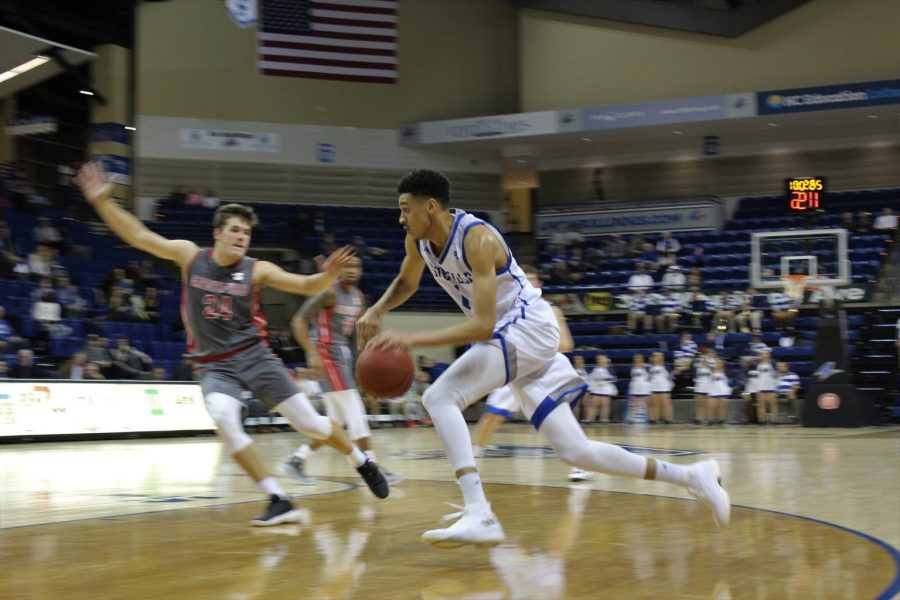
(350, 487)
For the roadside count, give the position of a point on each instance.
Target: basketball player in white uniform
(514, 339)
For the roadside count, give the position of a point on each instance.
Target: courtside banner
(36, 408)
(218, 139)
(606, 222)
(849, 95)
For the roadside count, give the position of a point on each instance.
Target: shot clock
(805, 194)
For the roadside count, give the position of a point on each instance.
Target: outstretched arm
(270, 274)
(97, 189)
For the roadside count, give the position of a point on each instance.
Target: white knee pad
(225, 411)
(303, 417)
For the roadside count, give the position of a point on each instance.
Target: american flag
(341, 40)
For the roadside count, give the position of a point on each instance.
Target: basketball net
(794, 285)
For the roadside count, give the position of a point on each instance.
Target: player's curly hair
(226, 211)
(426, 184)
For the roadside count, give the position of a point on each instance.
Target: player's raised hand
(94, 183)
(335, 261)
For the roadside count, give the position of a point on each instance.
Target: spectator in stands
(98, 353)
(750, 314)
(45, 233)
(75, 367)
(158, 374)
(724, 307)
(699, 308)
(40, 262)
(648, 255)
(43, 290)
(697, 258)
(11, 260)
(185, 369)
(559, 237)
(784, 310)
(667, 243)
(10, 340)
(143, 273)
(636, 244)
(151, 304)
(575, 265)
(863, 222)
(120, 307)
(753, 351)
(364, 250)
(47, 312)
(177, 197)
(694, 279)
(73, 305)
(92, 371)
(616, 247)
(128, 361)
(4, 370)
(685, 354)
(638, 312)
(319, 225)
(640, 280)
(848, 222)
(674, 279)
(670, 309)
(328, 244)
(24, 367)
(558, 266)
(886, 222)
(788, 384)
(211, 200)
(664, 260)
(574, 237)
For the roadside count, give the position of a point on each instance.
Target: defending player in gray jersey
(227, 333)
(331, 316)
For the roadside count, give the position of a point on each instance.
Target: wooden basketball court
(816, 516)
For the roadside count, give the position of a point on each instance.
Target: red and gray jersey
(220, 307)
(336, 325)
(333, 331)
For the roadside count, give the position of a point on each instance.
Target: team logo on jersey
(237, 276)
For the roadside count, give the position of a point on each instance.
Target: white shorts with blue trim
(523, 355)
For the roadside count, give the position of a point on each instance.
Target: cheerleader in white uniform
(767, 392)
(751, 391)
(660, 390)
(602, 388)
(638, 388)
(703, 368)
(719, 391)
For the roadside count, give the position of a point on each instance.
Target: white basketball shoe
(704, 485)
(577, 474)
(477, 526)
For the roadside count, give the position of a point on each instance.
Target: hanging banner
(605, 222)
(31, 125)
(242, 141)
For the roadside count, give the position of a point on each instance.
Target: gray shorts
(255, 369)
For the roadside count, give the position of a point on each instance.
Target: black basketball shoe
(280, 510)
(374, 478)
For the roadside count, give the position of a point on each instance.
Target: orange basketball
(384, 373)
